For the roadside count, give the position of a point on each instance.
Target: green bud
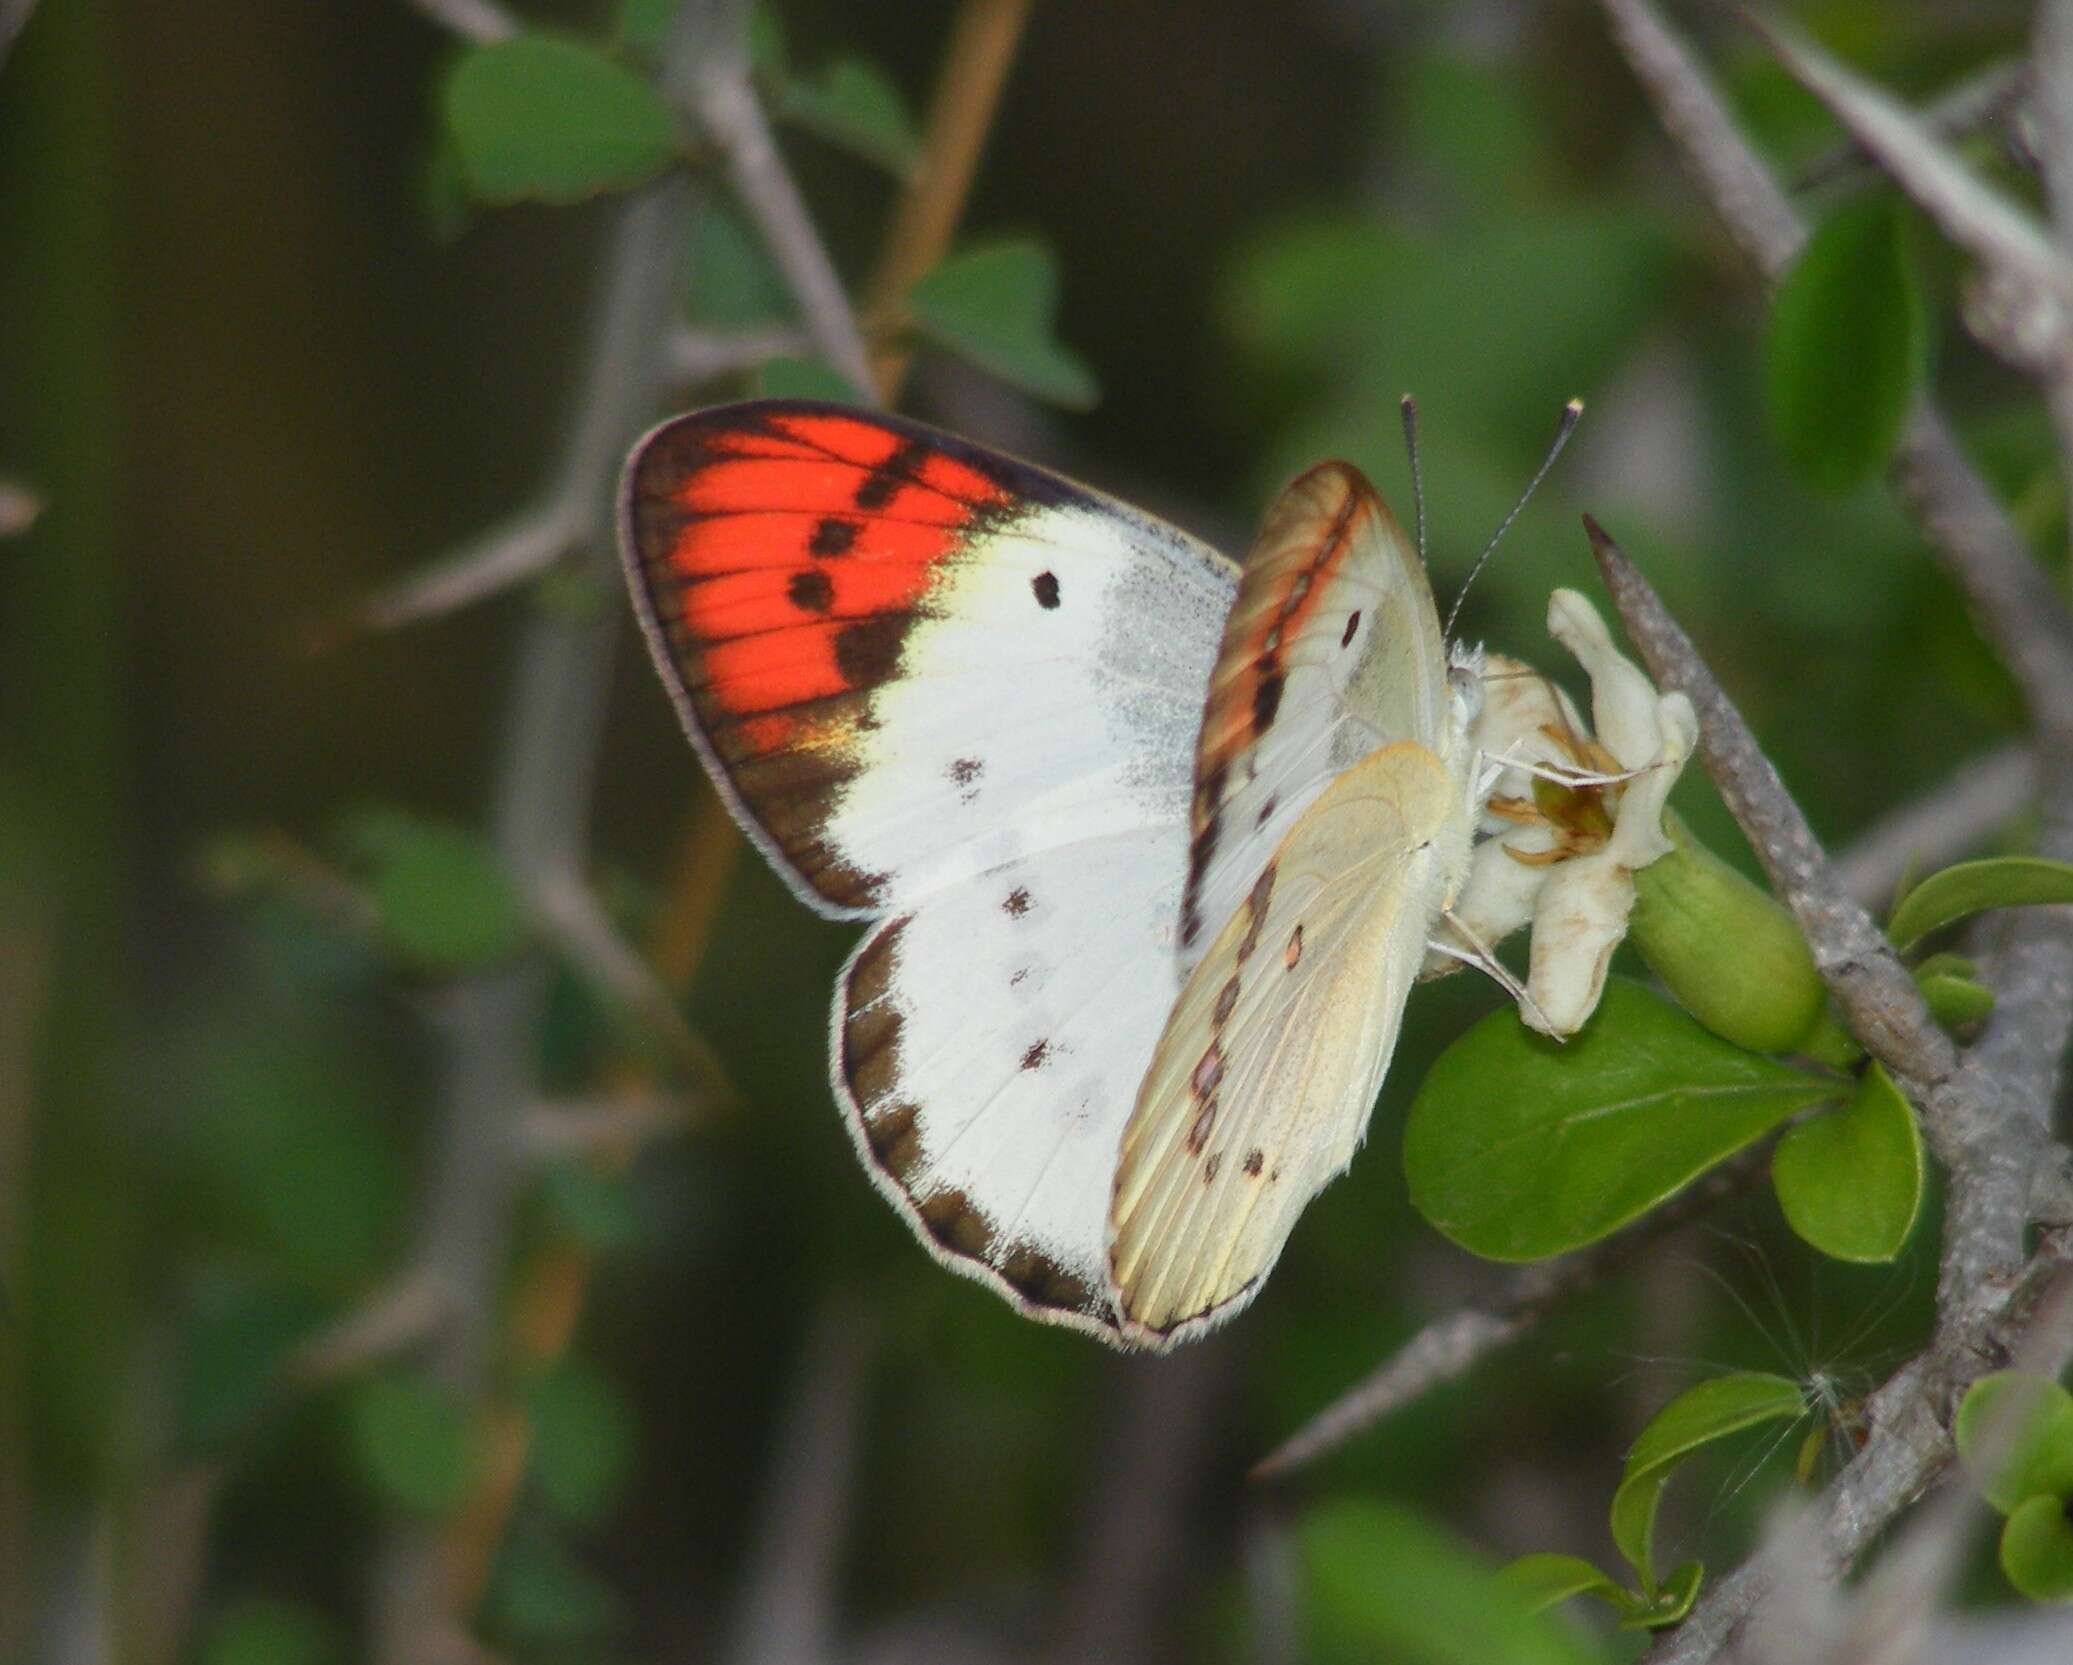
(1728, 951)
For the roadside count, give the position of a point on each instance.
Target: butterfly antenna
(1571, 413)
(1410, 406)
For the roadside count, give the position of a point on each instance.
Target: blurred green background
(254, 368)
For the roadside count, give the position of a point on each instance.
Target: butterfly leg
(1479, 954)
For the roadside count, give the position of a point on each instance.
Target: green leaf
(854, 104)
(257, 1630)
(277, 1126)
(443, 900)
(1955, 1002)
(583, 1439)
(1846, 346)
(807, 378)
(1519, 1147)
(413, 1442)
(644, 24)
(1380, 1581)
(233, 1336)
(1672, 1602)
(544, 120)
(2037, 1549)
(730, 282)
(995, 306)
(540, 1593)
(1850, 1181)
(770, 58)
(1546, 1580)
(2015, 1438)
(1292, 295)
(443, 192)
(1710, 1411)
(593, 1207)
(1973, 886)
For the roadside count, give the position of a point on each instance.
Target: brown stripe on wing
(867, 1060)
(1301, 545)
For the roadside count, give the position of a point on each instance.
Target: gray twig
(1951, 820)
(787, 1614)
(724, 100)
(613, 1124)
(697, 356)
(481, 568)
(539, 827)
(1994, 97)
(482, 21)
(1881, 1001)
(395, 1319)
(2010, 598)
(2024, 315)
(1453, 1345)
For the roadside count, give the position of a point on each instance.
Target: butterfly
(1151, 844)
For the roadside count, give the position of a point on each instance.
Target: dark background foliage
(252, 381)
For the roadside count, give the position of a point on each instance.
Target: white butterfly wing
(1331, 650)
(957, 694)
(1264, 1078)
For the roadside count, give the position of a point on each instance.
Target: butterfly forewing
(1260, 1090)
(956, 692)
(1331, 650)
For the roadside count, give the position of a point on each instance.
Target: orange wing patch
(780, 553)
(1301, 546)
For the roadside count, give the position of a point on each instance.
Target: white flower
(1569, 818)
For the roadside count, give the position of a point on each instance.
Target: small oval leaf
(854, 104)
(808, 378)
(1973, 886)
(537, 119)
(444, 902)
(1709, 1411)
(2015, 1438)
(1382, 1582)
(1519, 1147)
(583, 1440)
(1956, 1002)
(1545, 1580)
(1672, 1602)
(1850, 1181)
(1846, 347)
(2037, 1549)
(995, 306)
(413, 1441)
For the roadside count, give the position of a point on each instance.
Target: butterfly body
(1152, 846)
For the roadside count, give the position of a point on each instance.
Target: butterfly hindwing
(953, 692)
(1261, 1086)
(1331, 649)
(990, 1045)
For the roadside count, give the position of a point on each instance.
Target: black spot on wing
(1266, 700)
(868, 652)
(1352, 624)
(883, 483)
(833, 536)
(1033, 1058)
(811, 590)
(1017, 903)
(1045, 585)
